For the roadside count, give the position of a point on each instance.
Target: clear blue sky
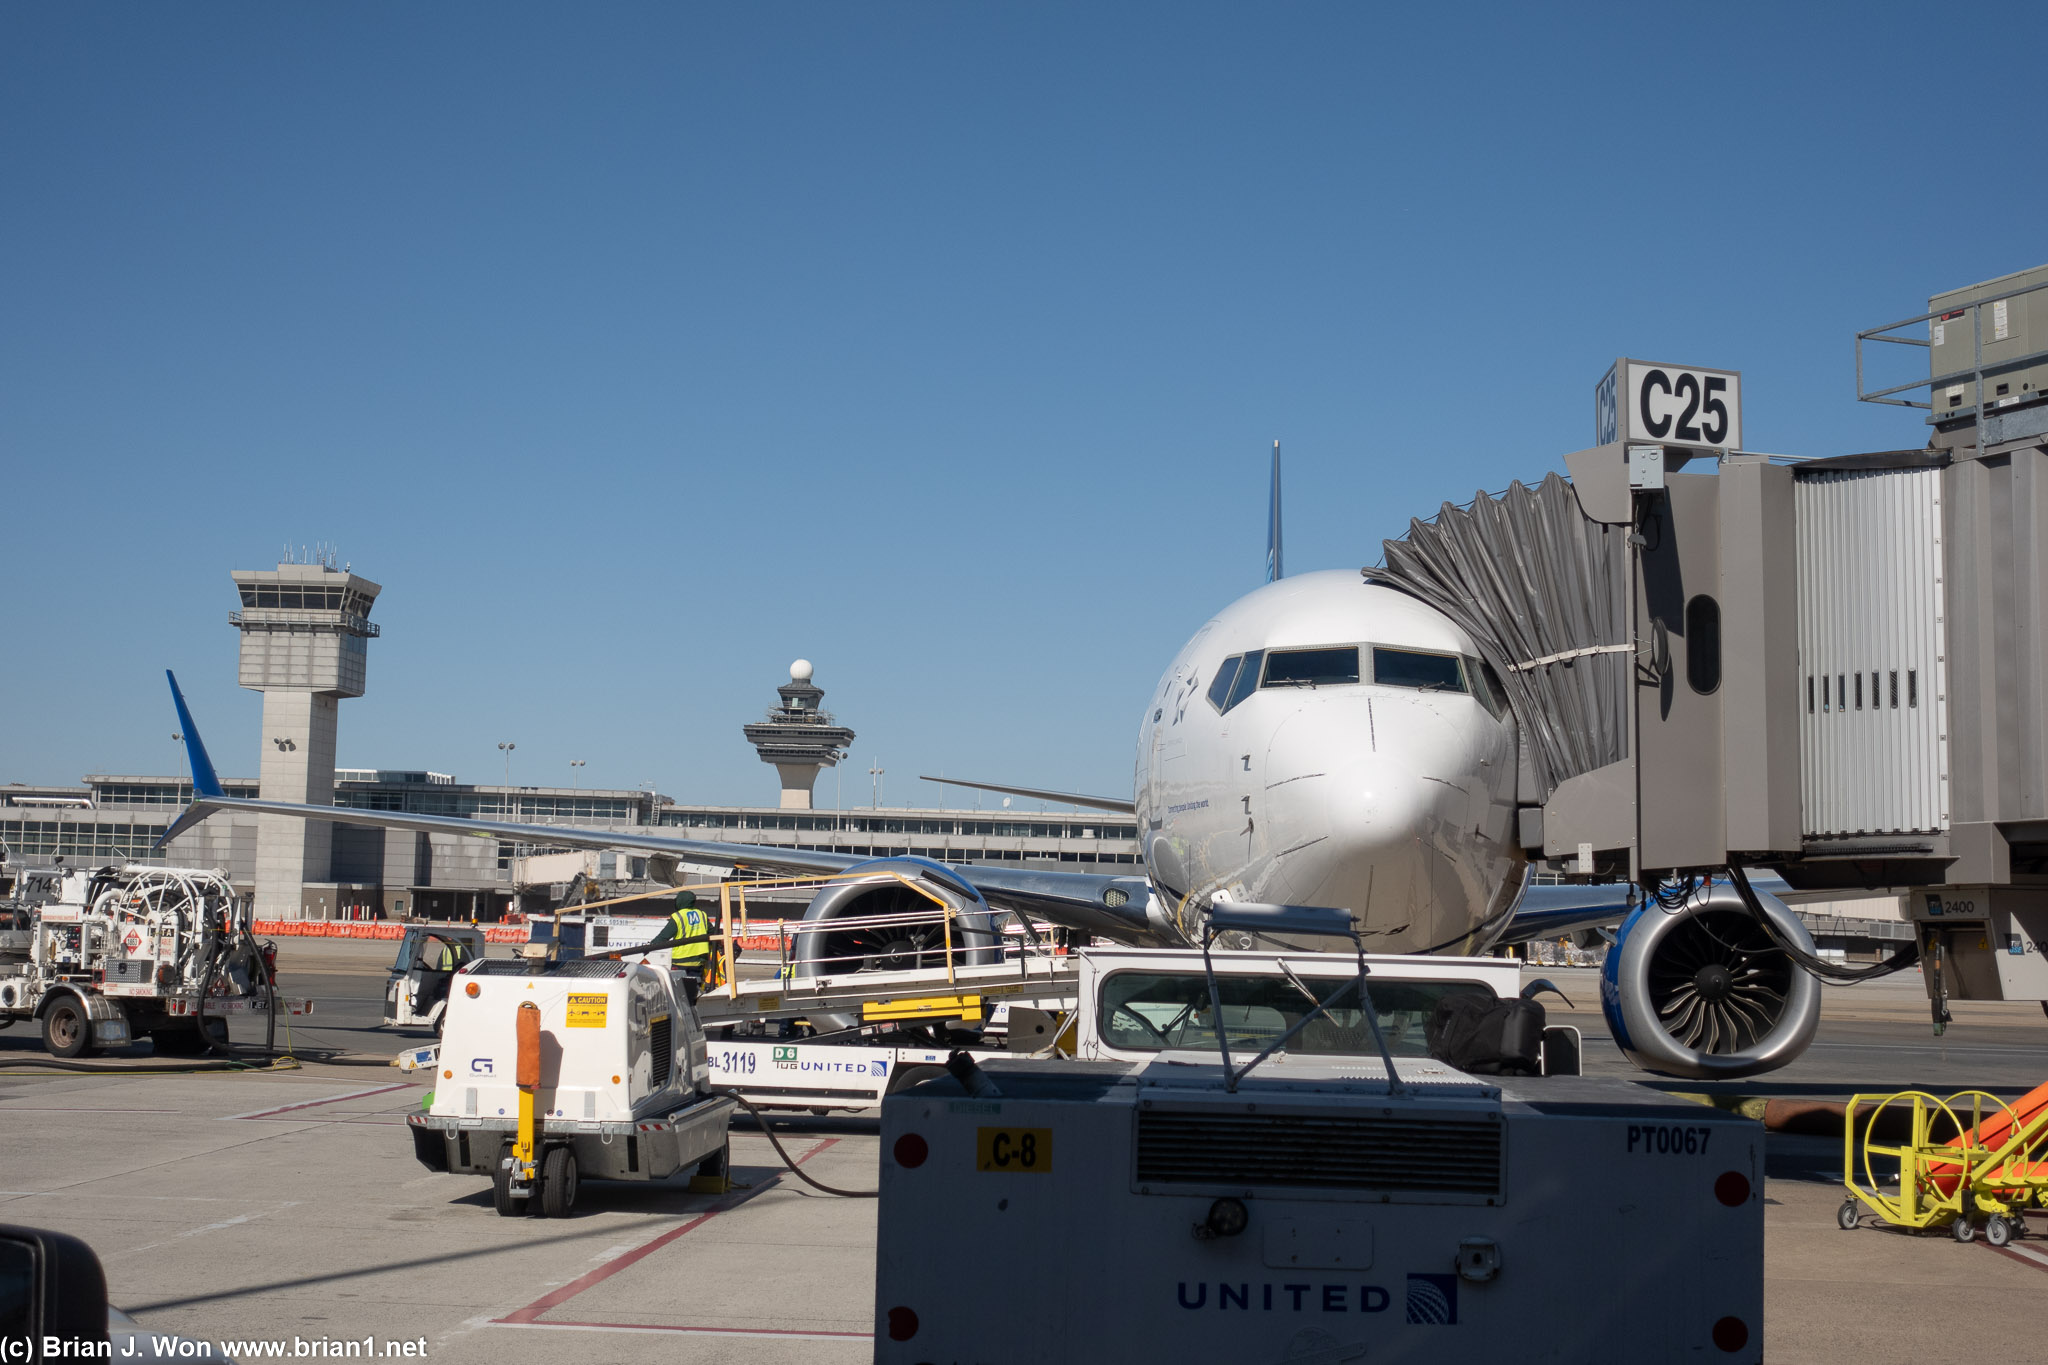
(639, 350)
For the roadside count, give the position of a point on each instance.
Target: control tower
(798, 738)
(305, 635)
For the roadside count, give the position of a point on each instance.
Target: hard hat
(685, 899)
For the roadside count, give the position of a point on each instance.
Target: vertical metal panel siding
(1870, 592)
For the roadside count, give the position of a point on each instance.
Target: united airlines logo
(878, 1068)
(1433, 1300)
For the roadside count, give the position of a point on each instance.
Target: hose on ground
(217, 1064)
(795, 1169)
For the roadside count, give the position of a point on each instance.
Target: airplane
(1321, 740)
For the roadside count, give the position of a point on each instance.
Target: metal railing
(1975, 374)
(301, 616)
(940, 921)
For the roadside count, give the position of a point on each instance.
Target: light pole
(875, 772)
(574, 763)
(506, 749)
(183, 765)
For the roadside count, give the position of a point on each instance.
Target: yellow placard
(1020, 1151)
(587, 1011)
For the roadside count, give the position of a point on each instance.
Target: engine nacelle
(1702, 992)
(887, 925)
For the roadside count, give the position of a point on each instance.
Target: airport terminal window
(1247, 678)
(1410, 668)
(1144, 1011)
(1311, 667)
(1226, 674)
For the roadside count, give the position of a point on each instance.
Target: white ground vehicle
(429, 955)
(1131, 1004)
(104, 957)
(550, 1071)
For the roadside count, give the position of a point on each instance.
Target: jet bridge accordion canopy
(1542, 590)
(1839, 667)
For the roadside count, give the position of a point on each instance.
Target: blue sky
(639, 350)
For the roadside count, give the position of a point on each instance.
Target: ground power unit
(1138, 1214)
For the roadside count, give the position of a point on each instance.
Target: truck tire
(558, 1182)
(501, 1189)
(67, 1031)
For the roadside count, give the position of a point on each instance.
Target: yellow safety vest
(692, 930)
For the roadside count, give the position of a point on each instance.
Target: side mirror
(51, 1286)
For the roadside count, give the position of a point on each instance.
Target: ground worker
(687, 936)
(451, 956)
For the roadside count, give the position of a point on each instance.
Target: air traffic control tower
(798, 738)
(305, 635)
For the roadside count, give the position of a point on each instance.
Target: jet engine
(1703, 992)
(888, 918)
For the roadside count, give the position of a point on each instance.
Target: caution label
(587, 1011)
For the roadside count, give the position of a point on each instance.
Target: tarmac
(283, 1206)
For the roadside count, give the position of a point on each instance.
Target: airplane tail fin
(1274, 570)
(204, 781)
(206, 788)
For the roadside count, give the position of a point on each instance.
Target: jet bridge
(1835, 668)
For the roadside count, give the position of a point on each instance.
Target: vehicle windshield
(1158, 1011)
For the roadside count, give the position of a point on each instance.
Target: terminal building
(303, 631)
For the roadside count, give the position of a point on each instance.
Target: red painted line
(2031, 1258)
(331, 1099)
(799, 1332)
(527, 1316)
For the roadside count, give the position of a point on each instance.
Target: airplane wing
(1551, 911)
(1095, 903)
(1113, 803)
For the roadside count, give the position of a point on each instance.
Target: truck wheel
(558, 1182)
(501, 1191)
(67, 1032)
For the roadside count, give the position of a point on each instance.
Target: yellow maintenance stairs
(1969, 1162)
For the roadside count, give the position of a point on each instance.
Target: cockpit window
(1312, 667)
(1226, 674)
(1407, 668)
(1247, 678)
(1486, 686)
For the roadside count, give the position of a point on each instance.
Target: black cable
(1819, 966)
(795, 1169)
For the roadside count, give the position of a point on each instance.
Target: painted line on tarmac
(529, 1316)
(2028, 1256)
(315, 1104)
(79, 1109)
(782, 1333)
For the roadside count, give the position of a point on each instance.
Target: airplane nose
(1392, 813)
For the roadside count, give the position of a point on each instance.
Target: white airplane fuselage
(1388, 791)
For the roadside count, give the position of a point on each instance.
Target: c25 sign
(1678, 405)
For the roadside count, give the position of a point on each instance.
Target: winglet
(204, 781)
(1274, 571)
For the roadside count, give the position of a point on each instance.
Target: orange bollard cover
(527, 1068)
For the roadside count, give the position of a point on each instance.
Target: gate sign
(1678, 405)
